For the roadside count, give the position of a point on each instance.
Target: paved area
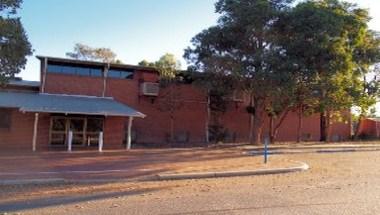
(129, 165)
(337, 183)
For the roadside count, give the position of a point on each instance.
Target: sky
(133, 29)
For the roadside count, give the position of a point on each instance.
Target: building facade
(126, 104)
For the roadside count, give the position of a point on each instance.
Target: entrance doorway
(85, 130)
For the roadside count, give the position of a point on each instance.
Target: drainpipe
(105, 74)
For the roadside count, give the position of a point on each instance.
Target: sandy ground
(130, 165)
(337, 183)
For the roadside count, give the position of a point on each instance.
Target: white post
(129, 139)
(70, 141)
(35, 129)
(101, 141)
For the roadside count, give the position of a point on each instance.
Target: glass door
(58, 132)
(77, 126)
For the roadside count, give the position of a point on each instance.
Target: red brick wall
(73, 84)
(114, 132)
(20, 135)
(368, 128)
(189, 119)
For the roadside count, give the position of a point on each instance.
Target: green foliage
(14, 44)
(242, 46)
(85, 52)
(168, 67)
(331, 50)
(146, 63)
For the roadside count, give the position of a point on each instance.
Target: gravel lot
(337, 183)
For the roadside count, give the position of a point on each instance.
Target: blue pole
(266, 150)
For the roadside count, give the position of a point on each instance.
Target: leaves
(14, 44)
(85, 52)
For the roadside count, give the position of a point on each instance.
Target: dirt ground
(130, 165)
(337, 183)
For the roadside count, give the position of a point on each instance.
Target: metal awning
(66, 104)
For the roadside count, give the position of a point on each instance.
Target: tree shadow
(48, 201)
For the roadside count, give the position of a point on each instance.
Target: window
(73, 69)
(120, 73)
(85, 130)
(5, 118)
(58, 131)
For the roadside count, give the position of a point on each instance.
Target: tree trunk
(300, 124)
(322, 127)
(207, 124)
(278, 125)
(251, 121)
(328, 126)
(271, 130)
(171, 139)
(358, 127)
(258, 122)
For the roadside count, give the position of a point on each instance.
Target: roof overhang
(66, 104)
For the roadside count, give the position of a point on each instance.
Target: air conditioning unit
(150, 89)
(238, 96)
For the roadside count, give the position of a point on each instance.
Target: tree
(146, 63)
(14, 44)
(167, 66)
(241, 46)
(170, 98)
(331, 49)
(85, 52)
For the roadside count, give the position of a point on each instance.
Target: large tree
(85, 52)
(241, 46)
(331, 50)
(14, 44)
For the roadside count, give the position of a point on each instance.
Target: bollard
(266, 143)
(100, 141)
(70, 141)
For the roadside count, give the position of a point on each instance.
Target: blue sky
(133, 29)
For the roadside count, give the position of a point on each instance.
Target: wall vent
(150, 89)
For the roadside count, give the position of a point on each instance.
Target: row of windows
(90, 71)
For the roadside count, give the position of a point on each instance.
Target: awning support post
(35, 129)
(101, 141)
(70, 141)
(129, 139)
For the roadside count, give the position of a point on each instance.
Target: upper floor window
(120, 73)
(75, 70)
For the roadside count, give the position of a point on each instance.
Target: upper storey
(68, 76)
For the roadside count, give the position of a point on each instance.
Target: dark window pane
(120, 73)
(68, 70)
(94, 125)
(58, 139)
(5, 118)
(76, 125)
(83, 71)
(77, 139)
(96, 72)
(113, 73)
(59, 125)
(54, 68)
(92, 139)
(127, 75)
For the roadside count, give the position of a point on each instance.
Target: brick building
(125, 104)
